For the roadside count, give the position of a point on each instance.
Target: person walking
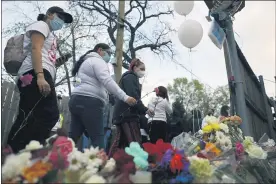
(127, 119)
(161, 107)
(38, 109)
(90, 94)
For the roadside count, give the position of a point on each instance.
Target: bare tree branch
(135, 41)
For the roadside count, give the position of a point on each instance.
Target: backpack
(14, 54)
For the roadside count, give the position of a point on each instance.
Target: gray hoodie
(94, 79)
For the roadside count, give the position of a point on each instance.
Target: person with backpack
(161, 107)
(32, 57)
(91, 94)
(126, 118)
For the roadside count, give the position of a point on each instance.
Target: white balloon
(183, 7)
(190, 33)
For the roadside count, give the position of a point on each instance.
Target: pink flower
(102, 155)
(59, 154)
(26, 80)
(239, 149)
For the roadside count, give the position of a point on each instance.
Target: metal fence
(258, 105)
(10, 100)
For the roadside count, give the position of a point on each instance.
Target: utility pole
(119, 41)
(237, 78)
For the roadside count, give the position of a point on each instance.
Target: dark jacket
(122, 111)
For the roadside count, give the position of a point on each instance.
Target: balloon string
(192, 95)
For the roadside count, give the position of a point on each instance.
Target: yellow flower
(197, 149)
(207, 129)
(215, 126)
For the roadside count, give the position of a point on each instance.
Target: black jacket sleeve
(131, 88)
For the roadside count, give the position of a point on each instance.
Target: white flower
(76, 160)
(14, 165)
(269, 143)
(224, 127)
(91, 157)
(200, 132)
(211, 119)
(95, 163)
(256, 152)
(220, 138)
(227, 145)
(220, 135)
(109, 166)
(91, 153)
(33, 145)
(95, 179)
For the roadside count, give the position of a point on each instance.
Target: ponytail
(163, 92)
(79, 62)
(41, 17)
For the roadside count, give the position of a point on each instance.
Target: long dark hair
(163, 92)
(41, 17)
(224, 110)
(81, 60)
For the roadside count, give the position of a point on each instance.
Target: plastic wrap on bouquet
(187, 142)
(141, 177)
(261, 169)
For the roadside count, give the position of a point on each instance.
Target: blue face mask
(56, 23)
(106, 57)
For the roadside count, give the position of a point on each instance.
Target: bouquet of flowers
(60, 162)
(233, 123)
(170, 165)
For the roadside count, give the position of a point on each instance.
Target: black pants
(87, 114)
(37, 115)
(158, 130)
(144, 139)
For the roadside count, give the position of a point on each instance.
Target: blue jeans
(85, 142)
(87, 114)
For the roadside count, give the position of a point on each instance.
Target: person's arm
(131, 87)
(101, 71)
(37, 43)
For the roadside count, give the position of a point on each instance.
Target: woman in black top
(127, 118)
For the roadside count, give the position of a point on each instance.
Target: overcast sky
(255, 33)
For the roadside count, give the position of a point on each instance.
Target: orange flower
(210, 147)
(37, 170)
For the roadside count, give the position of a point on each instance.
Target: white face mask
(140, 73)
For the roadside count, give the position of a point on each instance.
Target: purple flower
(186, 164)
(181, 152)
(166, 158)
(202, 145)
